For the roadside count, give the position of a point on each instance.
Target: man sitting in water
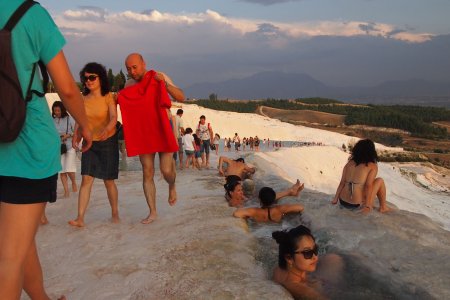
(268, 212)
(236, 169)
(235, 193)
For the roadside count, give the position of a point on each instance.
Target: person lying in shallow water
(234, 192)
(269, 211)
(299, 270)
(359, 184)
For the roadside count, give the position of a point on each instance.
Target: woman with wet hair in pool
(234, 193)
(299, 270)
(269, 210)
(359, 184)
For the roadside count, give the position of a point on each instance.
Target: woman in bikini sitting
(268, 212)
(300, 271)
(359, 184)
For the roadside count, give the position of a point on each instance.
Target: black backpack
(12, 104)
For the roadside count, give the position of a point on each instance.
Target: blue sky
(200, 41)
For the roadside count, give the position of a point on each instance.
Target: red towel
(146, 126)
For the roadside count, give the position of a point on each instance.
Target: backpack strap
(17, 15)
(12, 22)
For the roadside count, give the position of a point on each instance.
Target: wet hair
(188, 130)
(179, 111)
(287, 242)
(62, 107)
(231, 186)
(364, 152)
(240, 159)
(98, 69)
(267, 196)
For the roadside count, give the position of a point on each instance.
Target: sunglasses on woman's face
(308, 254)
(90, 78)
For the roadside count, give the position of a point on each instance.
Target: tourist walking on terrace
(30, 162)
(65, 125)
(102, 160)
(179, 132)
(205, 133)
(150, 118)
(216, 143)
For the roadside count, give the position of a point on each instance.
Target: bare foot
(149, 219)
(366, 209)
(62, 297)
(172, 195)
(44, 220)
(296, 188)
(115, 218)
(335, 201)
(74, 187)
(76, 223)
(66, 194)
(384, 209)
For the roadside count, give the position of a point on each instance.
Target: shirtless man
(235, 168)
(136, 69)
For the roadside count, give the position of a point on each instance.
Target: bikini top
(268, 214)
(351, 184)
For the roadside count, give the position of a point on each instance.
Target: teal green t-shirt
(35, 154)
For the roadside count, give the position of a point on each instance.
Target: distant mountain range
(281, 85)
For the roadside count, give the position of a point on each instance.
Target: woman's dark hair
(61, 106)
(188, 130)
(196, 140)
(231, 186)
(267, 196)
(364, 152)
(98, 69)
(287, 242)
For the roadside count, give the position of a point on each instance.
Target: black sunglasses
(90, 78)
(308, 254)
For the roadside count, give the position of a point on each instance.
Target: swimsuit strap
(268, 214)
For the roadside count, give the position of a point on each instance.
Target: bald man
(136, 68)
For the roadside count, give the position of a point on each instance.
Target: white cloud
(240, 26)
(208, 46)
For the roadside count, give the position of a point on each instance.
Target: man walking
(154, 125)
(179, 132)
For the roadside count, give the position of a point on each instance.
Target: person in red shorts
(158, 137)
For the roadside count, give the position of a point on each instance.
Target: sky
(210, 41)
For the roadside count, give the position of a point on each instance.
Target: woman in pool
(299, 270)
(359, 184)
(234, 192)
(269, 211)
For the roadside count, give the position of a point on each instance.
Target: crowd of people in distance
(87, 122)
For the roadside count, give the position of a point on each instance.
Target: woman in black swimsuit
(268, 212)
(359, 184)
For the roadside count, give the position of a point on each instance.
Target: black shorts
(17, 190)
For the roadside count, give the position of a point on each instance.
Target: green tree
(213, 97)
(111, 79)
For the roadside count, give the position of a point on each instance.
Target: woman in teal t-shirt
(29, 165)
